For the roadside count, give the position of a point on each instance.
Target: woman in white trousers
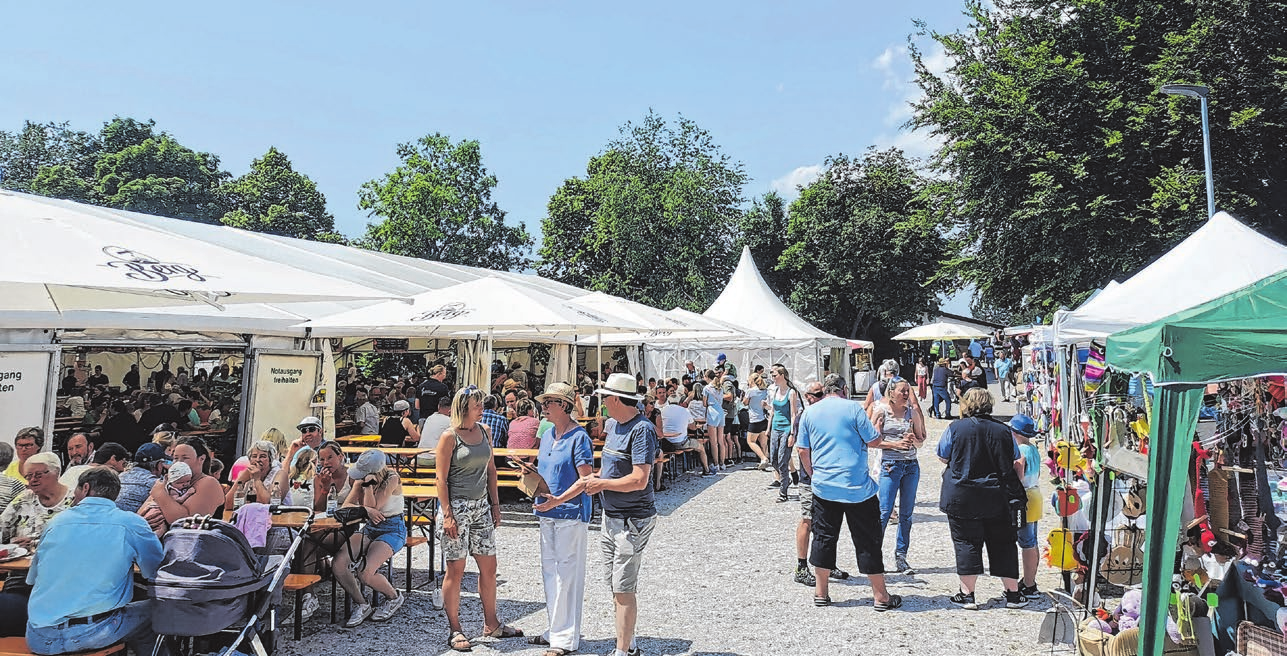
(566, 457)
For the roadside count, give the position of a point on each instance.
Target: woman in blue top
(714, 400)
(564, 516)
(784, 410)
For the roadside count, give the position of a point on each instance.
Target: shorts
(730, 424)
(806, 501)
(864, 530)
(715, 417)
(1027, 536)
(623, 541)
(475, 530)
(971, 536)
(392, 531)
(688, 444)
(758, 426)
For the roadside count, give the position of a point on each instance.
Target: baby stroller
(214, 593)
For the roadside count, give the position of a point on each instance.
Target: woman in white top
(897, 417)
(378, 490)
(756, 400)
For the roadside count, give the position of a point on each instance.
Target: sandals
(821, 601)
(555, 651)
(895, 601)
(459, 642)
(538, 639)
(504, 631)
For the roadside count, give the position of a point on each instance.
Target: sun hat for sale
(1023, 425)
(558, 392)
(622, 385)
(309, 421)
(368, 464)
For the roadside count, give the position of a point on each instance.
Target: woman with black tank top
(468, 514)
(397, 429)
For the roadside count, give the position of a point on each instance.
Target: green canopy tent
(1239, 335)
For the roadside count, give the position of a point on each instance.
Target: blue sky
(542, 85)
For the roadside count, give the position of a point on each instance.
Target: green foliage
(764, 230)
(274, 198)
(864, 246)
(438, 205)
(655, 218)
(25, 154)
(1068, 167)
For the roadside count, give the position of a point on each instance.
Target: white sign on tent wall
(283, 393)
(24, 391)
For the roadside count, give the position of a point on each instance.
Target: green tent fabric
(1239, 335)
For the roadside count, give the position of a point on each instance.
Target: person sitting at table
(27, 443)
(468, 513)
(367, 416)
(121, 427)
(432, 429)
(74, 608)
(23, 523)
(567, 456)
(310, 433)
(150, 463)
(378, 490)
(178, 479)
(396, 427)
(273, 437)
(522, 431)
(675, 421)
(110, 454)
(496, 423)
(10, 487)
(332, 471)
(166, 439)
(207, 494)
(257, 476)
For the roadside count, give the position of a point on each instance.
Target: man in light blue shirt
(834, 435)
(74, 607)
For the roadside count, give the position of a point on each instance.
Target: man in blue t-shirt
(624, 485)
(833, 438)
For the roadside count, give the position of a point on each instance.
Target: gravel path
(717, 580)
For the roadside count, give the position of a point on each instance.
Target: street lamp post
(1200, 92)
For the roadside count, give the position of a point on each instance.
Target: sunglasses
(815, 395)
(310, 429)
(467, 390)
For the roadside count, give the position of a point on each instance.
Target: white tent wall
(803, 360)
(28, 388)
(562, 365)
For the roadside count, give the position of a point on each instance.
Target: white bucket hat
(622, 385)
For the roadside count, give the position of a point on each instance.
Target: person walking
(785, 409)
(922, 377)
(1003, 375)
(981, 458)
(624, 485)
(756, 401)
(563, 519)
(468, 514)
(898, 417)
(713, 399)
(833, 441)
(938, 382)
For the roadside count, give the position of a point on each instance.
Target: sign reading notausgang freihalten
(24, 386)
(283, 392)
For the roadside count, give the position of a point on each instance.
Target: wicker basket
(1256, 640)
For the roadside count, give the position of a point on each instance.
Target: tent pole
(599, 344)
(491, 355)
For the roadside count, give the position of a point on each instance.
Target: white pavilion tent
(1222, 256)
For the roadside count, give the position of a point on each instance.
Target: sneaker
(1015, 599)
(900, 564)
(360, 613)
(805, 577)
(782, 498)
(1030, 591)
(708, 472)
(309, 606)
(388, 608)
(838, 574)
(775, 485)
(966, 601)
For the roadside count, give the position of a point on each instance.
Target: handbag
(350, 515)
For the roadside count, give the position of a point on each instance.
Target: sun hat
(622, 385)
(309, 421)
(178, 470)
(401, 406)
(1023, 425)
(150, 453)
(368, 464)
(558, 392)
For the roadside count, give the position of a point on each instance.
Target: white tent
(1220, 257)
(939, 331)
(771, 333)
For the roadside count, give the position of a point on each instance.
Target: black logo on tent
(446, 312)
(138, 266)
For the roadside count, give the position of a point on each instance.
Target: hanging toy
(1066, 501)
(1068, 457)
(1059, 552)
(1133, 503)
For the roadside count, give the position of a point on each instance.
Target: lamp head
(1191, 90)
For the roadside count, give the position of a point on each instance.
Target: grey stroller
(214, 593)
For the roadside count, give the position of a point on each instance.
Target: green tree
(39, 146)
(654, 220)
(438, 205)
(273, 197)
(161, 176)
(764, 230)
(864, 246)
(1069, 168)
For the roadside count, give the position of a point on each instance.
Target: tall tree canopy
(1069, 168)
(275, 198)
(864, 247)
(438, 205)
(764, 230)
(654, 220)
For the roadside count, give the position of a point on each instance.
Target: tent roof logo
(445, 312)
(138, 266)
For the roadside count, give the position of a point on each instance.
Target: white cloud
(895, 66)
(788, 185)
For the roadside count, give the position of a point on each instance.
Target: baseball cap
(309, 421)
(150, 453)
(368, 464)
(401, 406)
(721, 357)
(1023, 425)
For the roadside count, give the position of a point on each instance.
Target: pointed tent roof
(748, 301)
(1220, 257)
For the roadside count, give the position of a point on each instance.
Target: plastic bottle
(277, 494)
(332, 501)
(251, 495)
(239, 497)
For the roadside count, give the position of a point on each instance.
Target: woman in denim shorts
(468, 514)
(377, 488)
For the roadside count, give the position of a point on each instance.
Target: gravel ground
(716, 579)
